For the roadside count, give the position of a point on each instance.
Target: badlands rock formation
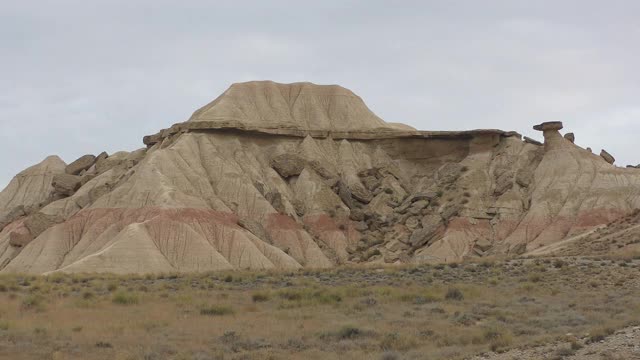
(298, 175)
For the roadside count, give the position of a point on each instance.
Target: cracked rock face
(288, 176)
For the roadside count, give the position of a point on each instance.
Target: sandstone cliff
(299, 175)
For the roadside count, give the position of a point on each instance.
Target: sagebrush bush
(125, 298)
(216, 310)
(454, 294)
(260, 297)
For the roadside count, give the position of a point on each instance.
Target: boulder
(81, 164)
(417, 206)
(432, 226)
(408, 202)
(66, 184)
(275, 199)
(20, 237)
(427, 195)
(607, 157)
(571, 137)
(589, 150)
(361, 226)
(345, 194)
(371, 182)
(450, 210)
(483, 245)
(396, 245)
(549, 126)
(121, 160)
(356, 215)
(529, 140)
(369, 254)
(390, 257)
(360, 193)
(412, 223)
(103, 155)
(7, 217)
(288, 165)
(38, 222)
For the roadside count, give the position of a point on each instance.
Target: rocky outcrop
(288, 165)
(8, 216)
(32, 188)
(549, 126)
(65, 184)
(570, 137)
(529, 140)
(81, 164)
(273, 176)
(607, 157)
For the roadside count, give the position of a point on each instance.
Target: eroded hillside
(300, 175)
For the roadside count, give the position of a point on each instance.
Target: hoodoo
(299, 175)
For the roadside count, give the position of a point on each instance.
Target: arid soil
(622, 345)
(542, 308)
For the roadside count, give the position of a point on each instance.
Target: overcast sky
(81, 77)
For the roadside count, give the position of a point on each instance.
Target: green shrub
(125, 298)
(260, 297)
(32, 302)
(454, 294)
(347, 332)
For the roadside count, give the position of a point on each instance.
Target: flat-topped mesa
(551, 132)
(300, 110)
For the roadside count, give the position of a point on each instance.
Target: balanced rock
(607, 157)
(549, 126)
(81, 164)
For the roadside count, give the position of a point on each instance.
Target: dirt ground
(547, 308)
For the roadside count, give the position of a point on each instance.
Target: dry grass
(391, 313)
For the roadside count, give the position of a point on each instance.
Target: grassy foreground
(425, 312)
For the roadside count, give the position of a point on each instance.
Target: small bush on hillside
(260, 297)
(216, 310)
(32, 302)
(125, 298)
(347, 332)
(454, 294)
